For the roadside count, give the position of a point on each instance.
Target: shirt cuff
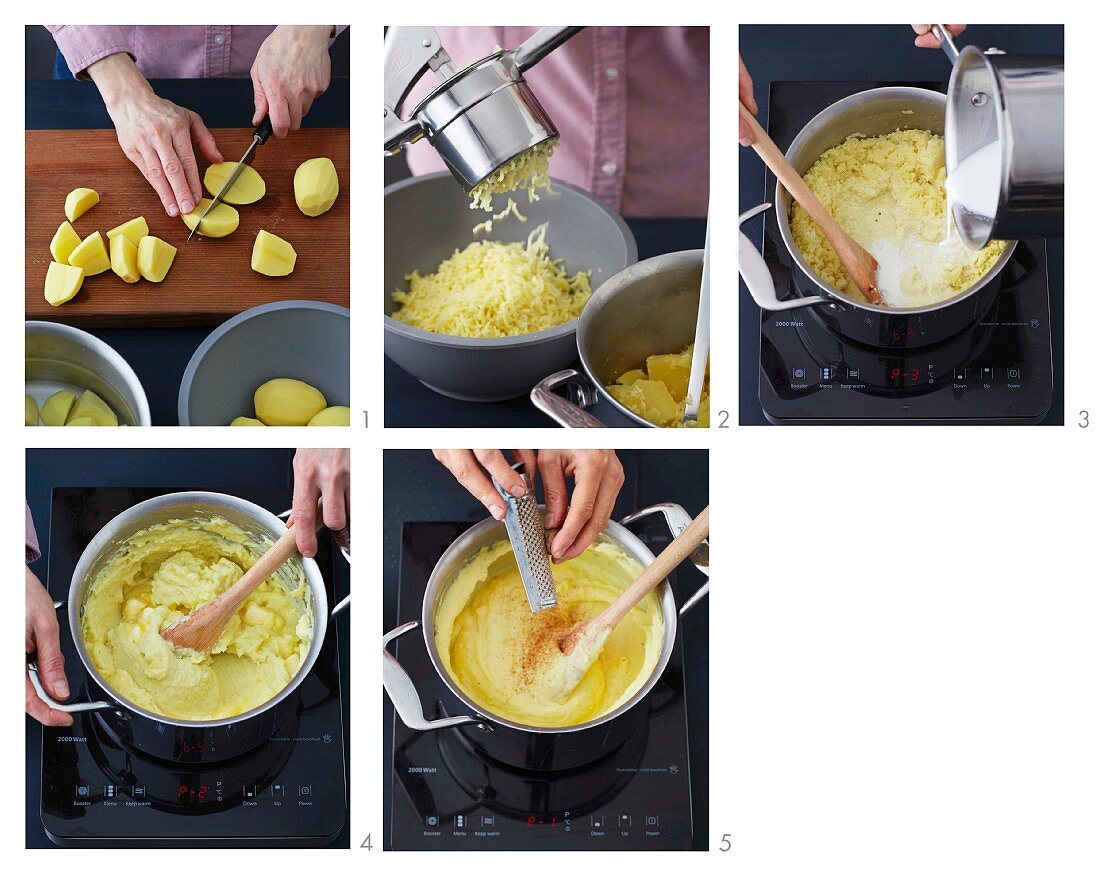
(83, 45)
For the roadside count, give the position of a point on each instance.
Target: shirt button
(611, 74)
(609, 167)
(219, 38)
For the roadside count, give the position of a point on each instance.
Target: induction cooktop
(445, 796)
(997, 371)
(96, 791)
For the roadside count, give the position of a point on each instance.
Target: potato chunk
(629, 377)
(248, 188)
(81, 421)
(90, 406)
(649, 400)
(316, 186)
(55, 410)
(62, 282)
(65, 240)
(80, 201)
(124, 259)
(287, 402)
(246, 421)
(219, 222)
(155, 258)
(273, 256)
(91, 255)
(133, 230)
(336, 415)
(30, 410)
(673, 370)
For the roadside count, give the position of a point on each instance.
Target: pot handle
(343, 542)
(90, 706)
(678, 519)
(561, 410)
(404, 696)
(758, 277)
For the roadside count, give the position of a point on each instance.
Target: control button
(84, 791)
(987, 372)
(305, 791)
(853, 374)
(1014, 373)
(460, 820)
(488, 821)
(431, 820)
(250, 792)
(828, 373)
(109, 791)
(798, 374)
(624, 820)
(597, 822)
(960, 374)
(652, 822)
(278, 790)
(139, 791)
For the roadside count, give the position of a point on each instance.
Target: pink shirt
(632, 105)
(32, 538)
(165, 51)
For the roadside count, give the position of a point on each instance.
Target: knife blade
(259, 136)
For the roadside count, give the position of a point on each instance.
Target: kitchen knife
(259, 136)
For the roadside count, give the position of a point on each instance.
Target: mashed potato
(506, 658)
(158, 576)
(889, 193)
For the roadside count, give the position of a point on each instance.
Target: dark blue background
(873, 53)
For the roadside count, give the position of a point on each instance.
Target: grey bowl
(59, 357)
(428, 218)
(306, 340)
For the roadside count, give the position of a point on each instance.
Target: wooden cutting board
(211, 278)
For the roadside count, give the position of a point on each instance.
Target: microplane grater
(528, 538)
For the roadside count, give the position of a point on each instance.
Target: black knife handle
(263, 131)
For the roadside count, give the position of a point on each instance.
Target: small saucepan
(509, 742)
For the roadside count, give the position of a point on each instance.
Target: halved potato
(246, 421)
(316, 186)
(335, 415)
(89, 405)
(55, 410)
(30, 410)
(219, 222)
(248, 188)
(124, 256)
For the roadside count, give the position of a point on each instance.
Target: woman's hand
(928, 40)
(291, 69)
(597, 476)
(155, 134)
(44, 641)
(744, 92)
(324, 474)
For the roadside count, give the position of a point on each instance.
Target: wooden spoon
(582, 642)
(201, 629)
(860, 265)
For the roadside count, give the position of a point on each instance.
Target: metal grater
(525, 530)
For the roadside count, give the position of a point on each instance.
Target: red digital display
(193, 793)
(906, 375)
(552, 821)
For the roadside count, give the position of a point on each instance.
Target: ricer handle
(947, 42)
(540, 44)
(408, 52)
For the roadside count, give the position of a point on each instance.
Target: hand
(155, 134)
(291, 68)
(744, 92)
(325, 474)
(44, 639)
(927, 40)
(597, 477)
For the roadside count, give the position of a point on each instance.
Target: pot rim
(783, 202)
(608, 290)
(512, 341)
(615, 533)
(107, 539)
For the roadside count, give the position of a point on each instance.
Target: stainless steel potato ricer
(478, 118)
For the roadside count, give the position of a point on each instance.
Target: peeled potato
(248, 188)
(336, 415)
(133, 230)
(65, 240)
(90, 406)
(154, 258)
(91, 255)
(124, 257)
(246, 421)
(62, 282)
(80, 201)
(81, 421)
(287, 402)
(271, 255)
(219, 222)
(30, 410)
(316, 186)
(55, 410)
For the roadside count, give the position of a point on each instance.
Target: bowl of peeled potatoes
(480, 304)
(280, 364)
